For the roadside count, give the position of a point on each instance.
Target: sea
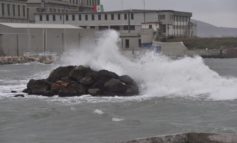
(188, 94)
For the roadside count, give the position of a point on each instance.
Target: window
(112, 16)
(150, 26)
(106, 17)
(132, 16)
(92, 17)
(86, 17)
(126, 43)
(41, 18)
(125, 27)
(19, 10)
(125, 16)
(24, 11)
(54, 18)
(73, 17)
(3, 9)
(139, 42)
(8, 9)
(163, 28)
(131, 27)
(99, 17)
(92, 27)
(14, 10)
(67, 18)
(115, 27)
(79, 17)
(161, 17)
(118, 16)
(47, 17)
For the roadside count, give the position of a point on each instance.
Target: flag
(98, 8)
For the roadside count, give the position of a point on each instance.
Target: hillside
(208, 30)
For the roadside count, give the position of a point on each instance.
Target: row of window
(87, 17)
(13, 10)
(115, 27)
(93, 2)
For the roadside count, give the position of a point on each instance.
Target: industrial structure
(19, 39)
(138, 28)
(134, 26)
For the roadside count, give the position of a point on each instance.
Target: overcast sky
(217, 12)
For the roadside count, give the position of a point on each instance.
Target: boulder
(79, 72)
(115, 86)
(189, 138)
(60, 73)
(81, 80)
(19, 95)
(38, 87)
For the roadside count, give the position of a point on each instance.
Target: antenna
(144, 9)
(122, 4)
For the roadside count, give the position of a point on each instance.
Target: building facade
(24, 10)
(59, 6)
(13, 11)
(172, 23)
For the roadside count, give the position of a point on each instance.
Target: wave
(157, 75)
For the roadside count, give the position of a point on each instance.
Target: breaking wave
(157, 75)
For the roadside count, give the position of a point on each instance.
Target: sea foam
(157, 75)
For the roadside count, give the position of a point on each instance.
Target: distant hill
(208, 30)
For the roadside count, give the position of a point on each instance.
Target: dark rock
(13, 91)
(66, 89)
(77, 81)
(190, 138)
(107, 74)
(126, 79)
(132, 90)
(94, 91)
(115, 86)
(60, 73)
(19, 95)
(79, 72)
(38, 87)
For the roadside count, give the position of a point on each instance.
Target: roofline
(121, 11)
(39, 26)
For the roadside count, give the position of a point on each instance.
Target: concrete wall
(16, 42)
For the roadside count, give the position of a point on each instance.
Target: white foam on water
(157, 75)
(98, 111)
(117, 119)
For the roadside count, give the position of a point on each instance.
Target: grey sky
(216, 12)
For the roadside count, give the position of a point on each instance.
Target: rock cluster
(190, 138)
(81, 80)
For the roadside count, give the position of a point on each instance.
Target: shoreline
(8, 60)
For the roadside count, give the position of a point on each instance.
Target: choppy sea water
(182, 95)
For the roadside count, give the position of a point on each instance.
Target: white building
(172, 23)
(24, 10)
(13, 11)
(17, 39)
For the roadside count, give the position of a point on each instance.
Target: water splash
(157, 75)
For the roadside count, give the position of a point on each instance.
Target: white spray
(157, 75)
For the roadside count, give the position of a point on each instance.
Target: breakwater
(26, 59)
